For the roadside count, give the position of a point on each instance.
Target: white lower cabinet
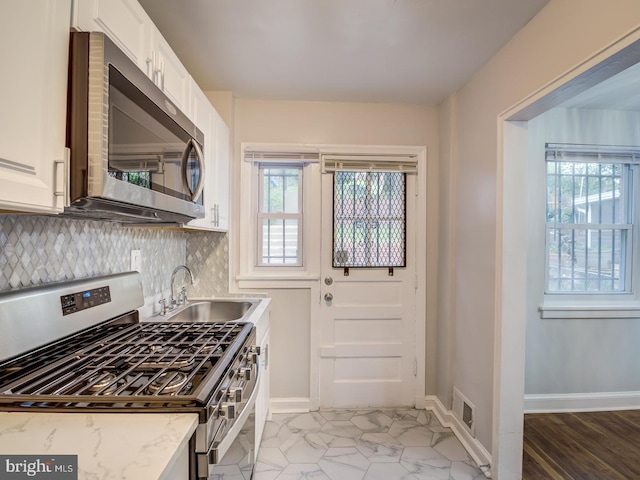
(262, 401)
(33, 95)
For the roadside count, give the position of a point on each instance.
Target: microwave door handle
(200, 157)
(185, 157)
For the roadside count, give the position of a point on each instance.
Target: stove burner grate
(137, 364)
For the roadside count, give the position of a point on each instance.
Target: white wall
(564, 34)
(575, 355)
(333, 123)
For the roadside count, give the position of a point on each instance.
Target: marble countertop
(123, 446)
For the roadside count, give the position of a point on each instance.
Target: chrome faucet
(182, 296)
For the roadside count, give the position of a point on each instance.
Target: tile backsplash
(37, 249)
(208, 259)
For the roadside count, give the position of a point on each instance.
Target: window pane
(280, 241)
(584, 200)
(280, 214)
(585, 193)
(280, 190)
(369, 219)
(585, 260)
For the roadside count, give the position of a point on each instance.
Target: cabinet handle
(62, 177)
(156, 69)
(162, 74)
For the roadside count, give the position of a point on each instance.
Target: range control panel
(75, 302)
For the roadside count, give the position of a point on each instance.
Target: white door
(367, 315)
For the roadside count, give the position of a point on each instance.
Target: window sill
(277, 281)
(587, 311)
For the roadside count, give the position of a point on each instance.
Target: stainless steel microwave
(134, 156)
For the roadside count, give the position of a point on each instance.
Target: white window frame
(568, 305)
(261, 215)
(249, 273)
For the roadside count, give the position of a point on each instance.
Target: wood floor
(579, 446)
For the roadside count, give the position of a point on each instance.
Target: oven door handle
(218, 451)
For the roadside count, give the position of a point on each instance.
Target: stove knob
(245, 373)
(228, 411)
(234, 395)
(255, 349)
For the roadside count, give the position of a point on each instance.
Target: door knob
(328, 281)
(328, 297)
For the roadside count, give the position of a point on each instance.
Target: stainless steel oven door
(233, 454)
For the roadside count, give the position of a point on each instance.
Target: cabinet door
(222, 148)
(170, 75)
(202, 113)
(262, 401)
(33, 95)
(124, 21)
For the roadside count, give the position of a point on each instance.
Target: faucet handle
(182, 296)
(163, 304)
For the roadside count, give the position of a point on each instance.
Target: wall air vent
(464, 411)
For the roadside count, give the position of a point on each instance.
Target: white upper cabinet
(168, 72)
(124, 21)
(202, 113)
(33, 95)
(222, 169)
(128, 26)
(216, 154)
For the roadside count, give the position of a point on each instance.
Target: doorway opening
(519, 387)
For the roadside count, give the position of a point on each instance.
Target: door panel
(368, 326)
(372, 293)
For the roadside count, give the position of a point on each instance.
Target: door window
(369, 228)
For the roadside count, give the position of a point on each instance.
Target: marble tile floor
(396, 444)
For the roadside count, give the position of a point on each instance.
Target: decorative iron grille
(369, 219)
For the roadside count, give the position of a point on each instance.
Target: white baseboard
(477, 451)
(581, 402)
(289, 405)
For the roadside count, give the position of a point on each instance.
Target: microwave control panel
(76, 302)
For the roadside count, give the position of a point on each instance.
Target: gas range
(118, 364)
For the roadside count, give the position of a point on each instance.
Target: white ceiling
(408, 51)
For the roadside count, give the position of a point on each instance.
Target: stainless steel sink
(216, 310)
